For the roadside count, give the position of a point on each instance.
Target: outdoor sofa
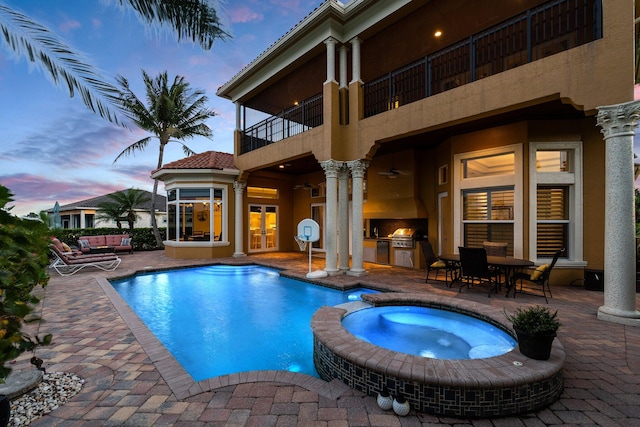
(119, 242)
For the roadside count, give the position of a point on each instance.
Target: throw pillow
(125, 241)
(438, 264)
(66, 247)
(83, 244)
(537, 274)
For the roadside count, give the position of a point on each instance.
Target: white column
(358, 167)
(238, 116)
(355, 60)
(331, 59)
(343, 67)
(343, 218)
(331, 168)
(618, 124)
(238, 188)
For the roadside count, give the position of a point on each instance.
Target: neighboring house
(83, 214)
(480, 120)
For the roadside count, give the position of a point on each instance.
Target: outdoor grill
(405, 238)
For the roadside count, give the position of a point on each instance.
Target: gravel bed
(54, 390)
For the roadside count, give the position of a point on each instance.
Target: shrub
(537, 320)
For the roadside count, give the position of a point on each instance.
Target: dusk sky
(55, 149)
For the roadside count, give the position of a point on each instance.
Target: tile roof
(161, 202)
(206, 160)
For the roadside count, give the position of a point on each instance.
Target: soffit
(331, 19)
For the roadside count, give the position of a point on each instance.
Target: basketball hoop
(301, 243)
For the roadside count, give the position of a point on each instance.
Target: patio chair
(474, 269)
(495, 248)
(537, 278)
(67, 264)
(434, 263)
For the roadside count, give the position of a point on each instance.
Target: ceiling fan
(305, 186)
(393, 173)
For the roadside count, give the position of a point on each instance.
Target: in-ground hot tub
(487, 387)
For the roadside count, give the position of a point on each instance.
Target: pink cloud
(243, 15)
(69, 25)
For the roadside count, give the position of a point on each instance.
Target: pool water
(428, 332)
(219, 320)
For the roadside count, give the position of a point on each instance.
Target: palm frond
(27, 38)
(190, 19)
(136, 146)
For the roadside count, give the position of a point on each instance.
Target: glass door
(263, 228)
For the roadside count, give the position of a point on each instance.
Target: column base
(239, 254)
(333, 271)
(629, 318)
(357, 272)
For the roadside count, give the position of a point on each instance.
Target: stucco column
(355, 59)
(238, 188)
(331, 59)
(343, 218)
(618, 124)
(343, 67)
(358, 167)
(331, 169)
(238, 116)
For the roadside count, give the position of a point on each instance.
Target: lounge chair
(67, 264)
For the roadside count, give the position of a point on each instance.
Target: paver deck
(130, 383)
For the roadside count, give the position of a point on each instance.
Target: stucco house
(475, 121)
(83, 214)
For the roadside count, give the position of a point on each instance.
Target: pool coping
(182, 384)
(469, 388)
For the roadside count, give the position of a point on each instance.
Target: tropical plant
(536, 320)
(194, 19)
(173, 113)
(23, 262)
(128, 201)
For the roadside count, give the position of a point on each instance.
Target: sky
(55, 149)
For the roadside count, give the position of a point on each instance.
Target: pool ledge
(498, 386)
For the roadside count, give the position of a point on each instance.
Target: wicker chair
(537, 278)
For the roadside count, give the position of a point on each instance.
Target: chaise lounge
(68, 263)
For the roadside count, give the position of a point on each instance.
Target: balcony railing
(545, 30)
(297, 119)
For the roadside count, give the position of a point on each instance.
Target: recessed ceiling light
(438, 33)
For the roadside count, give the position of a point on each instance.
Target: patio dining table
(509, 265)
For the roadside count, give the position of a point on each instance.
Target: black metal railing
(297, 119)
(545, 30)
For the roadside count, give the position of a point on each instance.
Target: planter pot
(536, 347)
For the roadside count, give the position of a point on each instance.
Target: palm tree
(190, 19)
(111, 211)
(129, 200)
(174, 113)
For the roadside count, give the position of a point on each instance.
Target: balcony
(548, 29)
(297, 119)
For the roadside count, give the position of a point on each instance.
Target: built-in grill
(405, 238)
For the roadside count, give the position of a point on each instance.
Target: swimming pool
(221, 319)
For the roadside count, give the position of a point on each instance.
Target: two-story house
(472, 121)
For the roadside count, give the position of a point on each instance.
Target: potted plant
(535, 327)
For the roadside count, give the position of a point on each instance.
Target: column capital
(331, 41)
(358, 167)
(331, 168)
(239, 187)
(619, 119)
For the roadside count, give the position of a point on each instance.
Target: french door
(263, 228)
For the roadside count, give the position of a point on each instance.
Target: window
(196, 214)
(443, 173)
(555, 187)
(262, 193)
(488, 205)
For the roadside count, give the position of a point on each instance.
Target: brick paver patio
(125, 387)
